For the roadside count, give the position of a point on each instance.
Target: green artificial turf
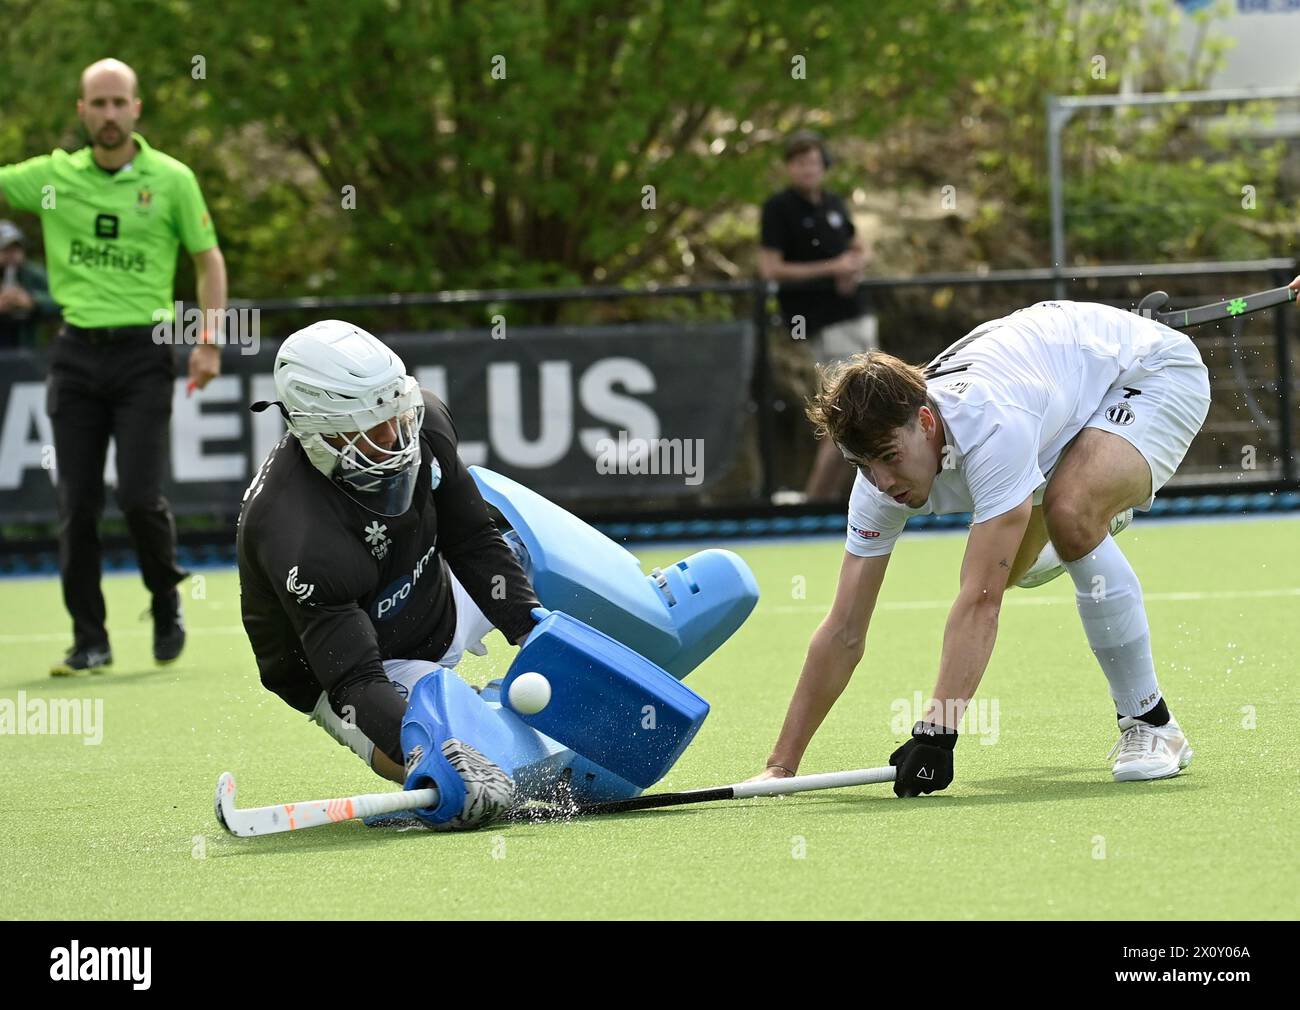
(1033, 826)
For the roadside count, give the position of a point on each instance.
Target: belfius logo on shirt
(106, 257)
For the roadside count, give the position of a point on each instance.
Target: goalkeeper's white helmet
(335, 379)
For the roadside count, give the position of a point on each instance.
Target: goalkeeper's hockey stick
(310, 813)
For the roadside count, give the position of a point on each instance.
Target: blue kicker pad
(608, 703)
(675, 617)
(442, 706)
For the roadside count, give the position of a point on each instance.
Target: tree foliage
(495, 143)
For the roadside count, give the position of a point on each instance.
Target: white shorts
(842, 340)
(471, 626)
(1158, 408)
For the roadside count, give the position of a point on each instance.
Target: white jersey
(1012, 393)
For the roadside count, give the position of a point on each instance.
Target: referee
(112, 215)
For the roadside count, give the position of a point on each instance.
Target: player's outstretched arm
(973, 620)
(836, 648)
(925, 762)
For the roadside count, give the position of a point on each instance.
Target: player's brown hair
(862, 399)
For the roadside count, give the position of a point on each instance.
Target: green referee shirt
(110, 239)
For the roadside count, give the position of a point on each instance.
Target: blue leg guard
(675, 617)
(443, 707)
(434, 715)
(609, 704)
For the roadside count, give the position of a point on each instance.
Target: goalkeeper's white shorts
(471, 627)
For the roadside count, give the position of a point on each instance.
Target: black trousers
(97, 390)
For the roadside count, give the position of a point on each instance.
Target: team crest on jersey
(435, 473)
(144, 201)
(299, 590)
(1120, 413)
(378, 539)
(835, 219)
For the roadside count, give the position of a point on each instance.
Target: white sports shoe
(1149, 752)
(1049, 566)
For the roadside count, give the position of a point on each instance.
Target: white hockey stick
(310, 813)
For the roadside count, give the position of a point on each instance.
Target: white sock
(1109, 598)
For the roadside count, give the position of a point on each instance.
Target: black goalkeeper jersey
(328, 590)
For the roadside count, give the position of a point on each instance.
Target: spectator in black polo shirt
(810, 247)
(24, 291)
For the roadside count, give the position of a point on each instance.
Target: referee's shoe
(82, 659)
(168, 626)
(168, 641)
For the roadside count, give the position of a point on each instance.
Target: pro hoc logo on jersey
(392, 598)
(1120, 413)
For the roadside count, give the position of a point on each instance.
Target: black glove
(924, 763)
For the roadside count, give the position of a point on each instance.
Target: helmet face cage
(378, 478)
(361, 460)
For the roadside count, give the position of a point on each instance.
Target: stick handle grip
(807, 783)
(390, 803)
